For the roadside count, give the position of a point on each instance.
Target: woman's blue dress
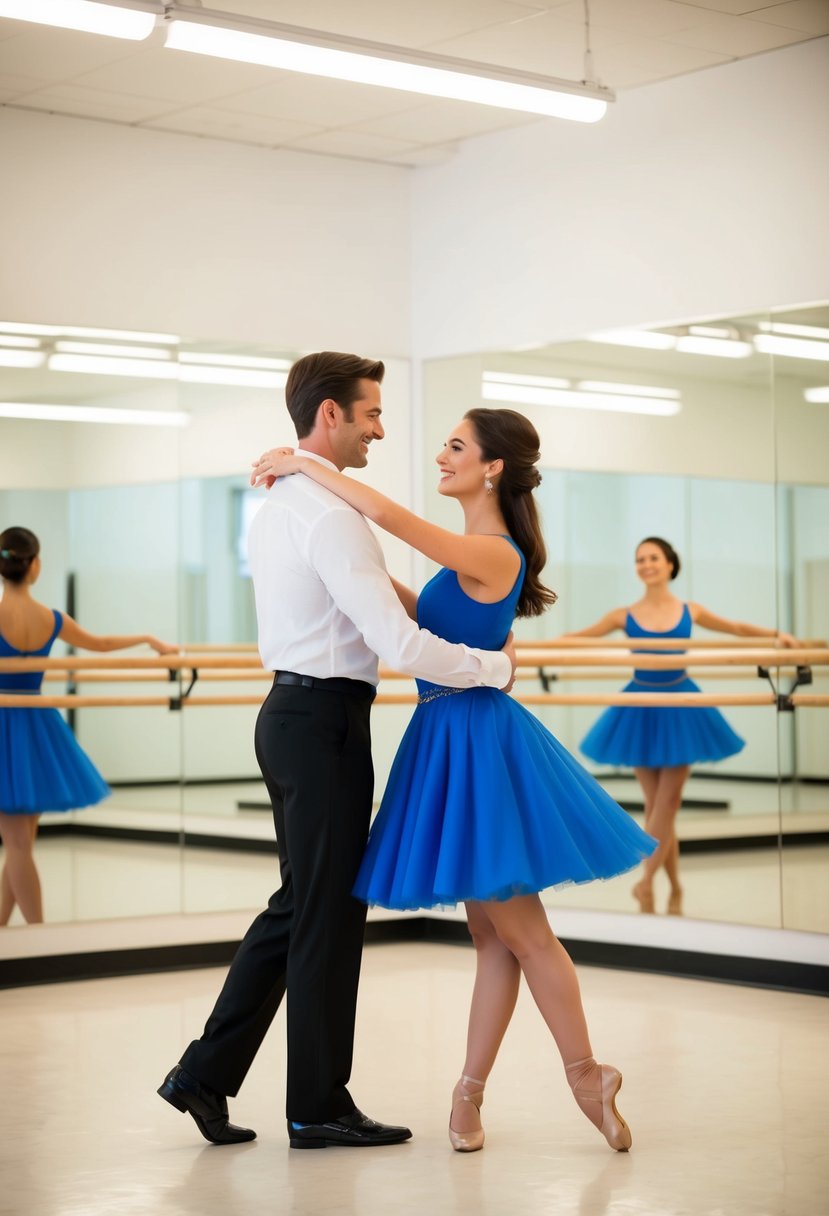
(42, 768)
(641, 736)
(482, 802)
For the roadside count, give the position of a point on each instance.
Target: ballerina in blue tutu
(660, 744)
(483, 805)
(42, 768)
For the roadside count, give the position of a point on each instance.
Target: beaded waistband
(434, 693)
(661, 683)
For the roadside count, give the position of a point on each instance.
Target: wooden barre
(609, 643)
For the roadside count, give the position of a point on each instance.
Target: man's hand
(509, 650)
(278, 462)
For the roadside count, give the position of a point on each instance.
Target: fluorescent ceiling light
(818, 396)
(294, 49)
(693, 344)
(709, 331)
(21, 358)
(792, 348)
(115, 21)
(793, 331)
(105, 348)
(100, 365)
(189, 356)
(89, 413)
(514, 378)
(648, 339)
(634, 390)
(19, 342)
(241, 377)
(529, 395)
(83, 331)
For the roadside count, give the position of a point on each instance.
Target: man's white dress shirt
(324, 602)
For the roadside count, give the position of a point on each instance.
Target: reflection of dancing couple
(482, 805)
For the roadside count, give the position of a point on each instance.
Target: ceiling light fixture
(156, 369)
(793, 331)
(106, 348)
(21, 358)
(633, 390)
(792, 348)
(818, 396)
(695, 344)
(527, 394)
(296, 49)
(84, 331)
(647, 339)
(189, 356)
(91, 413)
(116, 21)
(535, 381)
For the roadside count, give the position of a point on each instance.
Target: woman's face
(461, 463)
(652, 565)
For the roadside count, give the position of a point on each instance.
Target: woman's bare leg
(648, 779)
(18, 835)
(662, 825)
(497, 976)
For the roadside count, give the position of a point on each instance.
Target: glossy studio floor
(726, 1090)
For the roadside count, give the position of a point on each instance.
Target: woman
(661, 744)
(483, 804)
(42, 768)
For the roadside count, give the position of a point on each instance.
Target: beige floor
(726, 1090)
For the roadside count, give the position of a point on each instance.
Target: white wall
(112, 226)
(702, 195)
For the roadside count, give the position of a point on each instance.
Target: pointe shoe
(467, 1142)
(644, 897)
(595, 1087)
(675, 902)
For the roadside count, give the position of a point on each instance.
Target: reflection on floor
(726, 1090)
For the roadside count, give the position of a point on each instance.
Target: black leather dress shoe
(209, 1109)
(354, 1130)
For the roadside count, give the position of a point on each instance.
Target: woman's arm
(484, 558)
(721, 624)
(407, 598)
(609, 622)
(72, 633)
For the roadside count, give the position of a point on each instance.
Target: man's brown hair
(328, 374)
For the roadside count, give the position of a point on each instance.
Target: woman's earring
(488, 485)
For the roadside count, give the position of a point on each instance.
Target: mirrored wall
(711, 434)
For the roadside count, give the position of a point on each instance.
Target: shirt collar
(320, 459)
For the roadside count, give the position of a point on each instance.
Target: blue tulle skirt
(42, 768)
(483, 803)
(637, 736)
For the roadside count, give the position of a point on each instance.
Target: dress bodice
(445, 609)
(26, 681)
(682, 629)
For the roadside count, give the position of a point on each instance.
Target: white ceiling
(635, 42)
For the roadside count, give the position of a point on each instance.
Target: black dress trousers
(313, 745)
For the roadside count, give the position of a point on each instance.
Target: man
(326, 609)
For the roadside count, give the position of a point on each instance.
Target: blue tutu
(482, 802)
(639, 736)
(42, 768)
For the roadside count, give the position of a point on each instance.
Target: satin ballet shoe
(644, 897)
(595, 1087)
(675, 902)
(467, 1142)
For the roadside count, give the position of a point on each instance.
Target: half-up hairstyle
(508, 436)
(668, 552)
(18, 549)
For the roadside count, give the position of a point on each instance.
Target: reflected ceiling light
(241, 377)
(83, 331)
(101, 365)
(189, 356)
(515, 378)
(21, 358)
(105, 348)
(295, 49)
(19, 342)
(648, 339)
(818, 396)
(527, 394)
(90, 413)
(634, 390)
(792, 348)
(710, 331)
(793, 331)
(694, 344)
(116, 21)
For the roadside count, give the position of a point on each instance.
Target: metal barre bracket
(785, 704)
(177, 702)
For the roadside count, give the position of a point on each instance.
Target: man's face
(350, 439)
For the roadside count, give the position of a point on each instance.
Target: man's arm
(349, 561)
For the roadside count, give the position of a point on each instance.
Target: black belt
(332, 684)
